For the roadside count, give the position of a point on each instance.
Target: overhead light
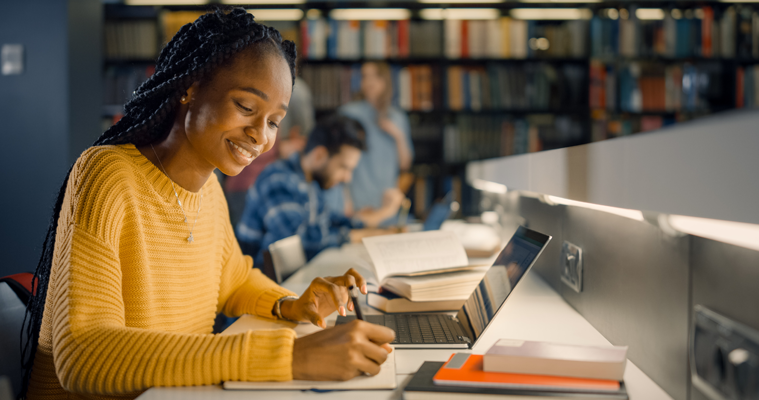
(461, 1)
(561, 1)
(649, 13)
(368, 14)
(459, 13)
(278, 14)
(622, 212)
(261, 2)
(551, 13)
(165, 2)
(489, 186)
(735, 233)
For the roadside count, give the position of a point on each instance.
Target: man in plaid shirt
(287, 198)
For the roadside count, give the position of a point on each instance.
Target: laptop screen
(510, 266)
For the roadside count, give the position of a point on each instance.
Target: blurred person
(291, 138)
(288, 199)
(389, 150)
(140, 256)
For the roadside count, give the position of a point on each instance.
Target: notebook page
(384, 380)
(415, 252)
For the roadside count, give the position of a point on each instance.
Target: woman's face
(372, 84)
(233, 116)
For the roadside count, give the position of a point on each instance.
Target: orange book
(464, 369)
(464, 39)
(707, 24)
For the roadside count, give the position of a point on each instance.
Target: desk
(534, 311)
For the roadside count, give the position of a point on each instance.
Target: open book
(423, 266)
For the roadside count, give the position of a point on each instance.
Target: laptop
(441, 330)
(439, 213)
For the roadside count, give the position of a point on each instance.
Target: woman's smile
(241, 154)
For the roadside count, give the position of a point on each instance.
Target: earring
(183, 100)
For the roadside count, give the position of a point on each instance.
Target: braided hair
(197, 50)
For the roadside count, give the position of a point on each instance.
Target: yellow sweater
(131, 303)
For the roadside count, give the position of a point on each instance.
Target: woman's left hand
(323, 297)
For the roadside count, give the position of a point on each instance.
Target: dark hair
(334, 132)
(195, 52)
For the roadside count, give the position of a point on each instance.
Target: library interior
(219, 192)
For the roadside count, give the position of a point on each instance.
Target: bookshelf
(477, 89)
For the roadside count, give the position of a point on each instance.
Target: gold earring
(183, 100)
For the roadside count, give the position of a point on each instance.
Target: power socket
(724, 357)
(571, 266)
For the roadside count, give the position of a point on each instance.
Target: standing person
(389, 150)
(140, 254)
(291, 138)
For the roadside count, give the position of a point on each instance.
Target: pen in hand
(354, 297)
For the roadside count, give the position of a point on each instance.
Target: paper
(384, 380)
(415, 252)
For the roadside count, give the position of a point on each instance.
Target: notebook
(384, 380)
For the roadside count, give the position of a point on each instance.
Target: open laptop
(439, 213)
(440, 330)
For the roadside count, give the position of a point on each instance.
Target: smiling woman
(140, 254)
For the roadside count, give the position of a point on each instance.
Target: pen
(354, 297)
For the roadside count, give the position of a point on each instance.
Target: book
(436, 287)
(464, 369)
(529, 357)
(390, 302)
(416, 254)
(421, 387)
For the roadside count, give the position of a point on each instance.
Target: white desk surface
(534, 311)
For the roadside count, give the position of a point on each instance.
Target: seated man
(288, 199)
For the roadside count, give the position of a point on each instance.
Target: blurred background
(477, 79)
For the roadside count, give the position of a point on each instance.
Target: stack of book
(640, 87)
(421, 271)
(524, 86)
(511, 38)
(681, 34)
(524, 368)
(131, 39)
(323, 38)
(474, 137)
(502, 38)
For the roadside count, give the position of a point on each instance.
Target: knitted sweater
(131, 304)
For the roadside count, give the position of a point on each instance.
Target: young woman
(373, 195)
(140, 254)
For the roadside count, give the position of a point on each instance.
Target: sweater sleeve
(244, 289)
(96, 353)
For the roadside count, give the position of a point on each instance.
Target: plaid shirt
(280, 204)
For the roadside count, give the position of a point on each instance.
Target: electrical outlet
(571, 266)
(724, 357)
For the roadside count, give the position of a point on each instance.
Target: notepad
(384, 380)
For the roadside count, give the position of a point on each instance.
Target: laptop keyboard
(420, 328)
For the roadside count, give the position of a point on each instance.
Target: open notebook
(384, 380)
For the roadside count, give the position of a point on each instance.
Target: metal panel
(635, 291)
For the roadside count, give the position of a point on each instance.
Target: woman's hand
(342, 352)
(323, 297)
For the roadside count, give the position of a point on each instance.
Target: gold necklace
(190, 238)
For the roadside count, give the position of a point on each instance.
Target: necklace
(190, 238)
